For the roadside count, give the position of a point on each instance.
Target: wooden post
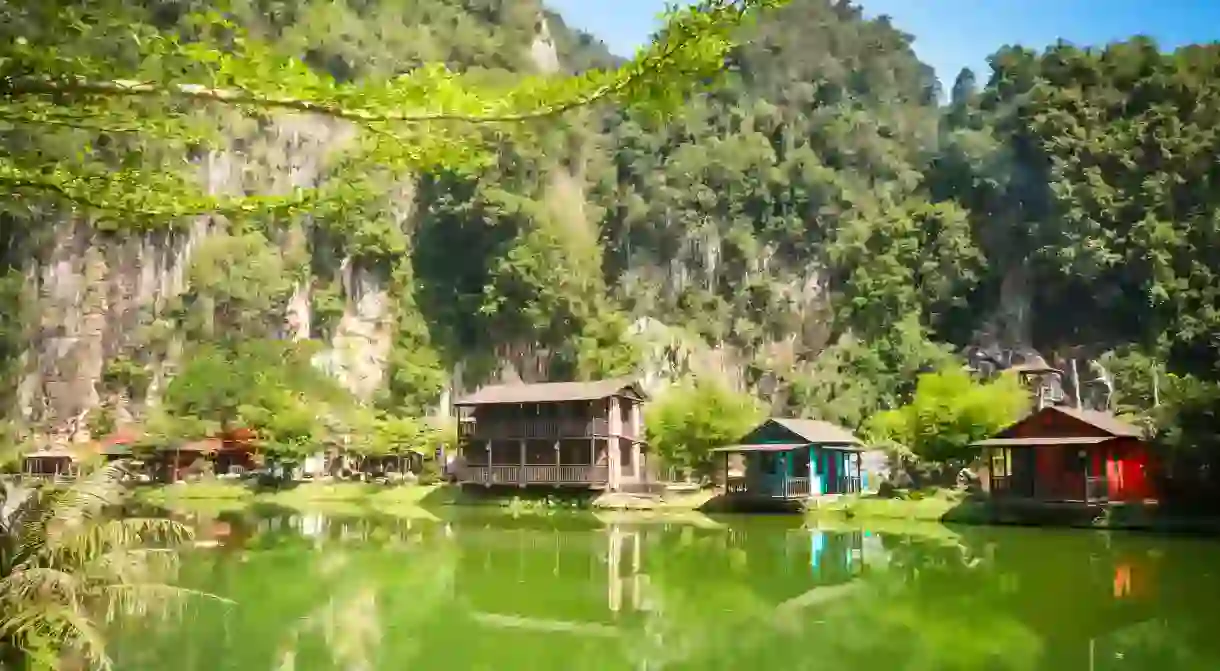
(611, 466)
(726, 472)
(615, 583)
(1075, 385)
(859, 473)
(521, 463)
(487, 480)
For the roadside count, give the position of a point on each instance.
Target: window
(1001, 462)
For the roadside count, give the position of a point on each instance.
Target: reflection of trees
(568, 593)
(715, 616)
(356, 596)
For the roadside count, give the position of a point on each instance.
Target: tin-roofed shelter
(1064, 454)
(52, 463)
(793, 459)
(580, 434)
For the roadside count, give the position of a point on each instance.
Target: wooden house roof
(52, 453)
(807, 431)
(1104, 422)
(552, 392)
(817, 431)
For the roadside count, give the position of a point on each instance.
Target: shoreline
(957, 509)
(424, 501)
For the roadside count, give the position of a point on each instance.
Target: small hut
(793, 459)
(1063, 454)
(50, 463)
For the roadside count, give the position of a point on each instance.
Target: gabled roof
(817, 431)
(1103, 421)
(551, 392)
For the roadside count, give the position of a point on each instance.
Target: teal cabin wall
(771, 433)
(828, 465)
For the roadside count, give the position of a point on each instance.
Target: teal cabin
(792, 459)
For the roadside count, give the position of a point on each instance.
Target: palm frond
(90, 541)
(47, 625)
(31, 584)
(69, 564)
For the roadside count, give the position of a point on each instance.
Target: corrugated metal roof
(52, 453)
(818, 431)
(550, 392)
(761, 447)
(1033, 442)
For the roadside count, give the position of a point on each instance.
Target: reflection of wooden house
(793, 459)
(573, 584)
(581, 434)
(1066, 454)
(1112, 584)
(792, 568)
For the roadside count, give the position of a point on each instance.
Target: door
(1023, 472)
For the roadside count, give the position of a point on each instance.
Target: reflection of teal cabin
(793, 459)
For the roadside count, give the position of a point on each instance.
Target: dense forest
(817, 230)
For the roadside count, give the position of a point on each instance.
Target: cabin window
(1001, 462)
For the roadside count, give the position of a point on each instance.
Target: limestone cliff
(101, 303)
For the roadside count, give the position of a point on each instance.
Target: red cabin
(1067, 454)
(235, 453)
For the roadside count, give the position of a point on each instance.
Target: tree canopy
(88, 76)
(690, 420)
(949, 411)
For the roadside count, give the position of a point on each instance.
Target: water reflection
(485, 591)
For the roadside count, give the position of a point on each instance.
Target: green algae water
(487, 591)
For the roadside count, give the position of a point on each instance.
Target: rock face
(100, 298)
(94, 296)
(361, 343)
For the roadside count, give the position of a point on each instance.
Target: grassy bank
(400, 500)
(213, 495)
(932, 506)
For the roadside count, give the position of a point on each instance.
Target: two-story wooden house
(574, 434)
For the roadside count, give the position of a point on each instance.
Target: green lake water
(486, 591)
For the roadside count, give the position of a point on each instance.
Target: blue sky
(952, 34)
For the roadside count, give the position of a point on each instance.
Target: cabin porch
(592, 463)
(1049, 473)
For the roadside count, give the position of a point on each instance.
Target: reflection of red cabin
(1068, 454)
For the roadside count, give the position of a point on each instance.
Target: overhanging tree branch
(679, 36)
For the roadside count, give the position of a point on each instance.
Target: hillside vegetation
(818, 230)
